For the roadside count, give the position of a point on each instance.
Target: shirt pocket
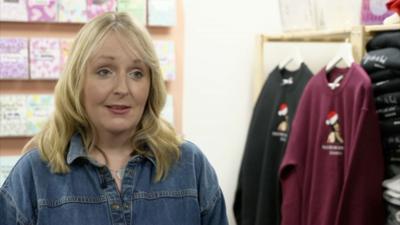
(179, 207)
(73, 210)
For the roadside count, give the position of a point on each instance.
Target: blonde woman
(106, 156)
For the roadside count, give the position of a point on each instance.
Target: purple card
(45, 57)
(14, 58)
(42, 10)
(98, 7)
(374, 12)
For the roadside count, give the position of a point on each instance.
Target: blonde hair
(154, 137)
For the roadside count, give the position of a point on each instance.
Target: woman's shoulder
(19, 191)
(30, 158)
(189, 147)
(28, 164)
(191, 152)
(206, 180)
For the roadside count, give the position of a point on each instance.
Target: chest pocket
(73, 211)
(166, 208)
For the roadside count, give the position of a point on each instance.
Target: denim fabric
(87, 195)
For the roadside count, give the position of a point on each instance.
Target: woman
(106, 156)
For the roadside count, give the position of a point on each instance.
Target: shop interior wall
(220, 61)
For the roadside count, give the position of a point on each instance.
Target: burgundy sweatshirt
(332, 171)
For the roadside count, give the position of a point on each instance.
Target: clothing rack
(357, 36)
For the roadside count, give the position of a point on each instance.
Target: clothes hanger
(344, 55)
(293, 61)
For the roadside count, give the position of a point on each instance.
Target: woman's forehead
(114, 44)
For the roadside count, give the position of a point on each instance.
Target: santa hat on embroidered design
(283, 109)
(332, 118)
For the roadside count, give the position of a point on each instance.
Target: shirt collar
(76, 150)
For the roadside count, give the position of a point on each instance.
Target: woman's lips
(118, 109)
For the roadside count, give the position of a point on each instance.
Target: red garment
(394, 5)
(332, 170)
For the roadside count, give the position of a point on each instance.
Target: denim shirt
(87, 195)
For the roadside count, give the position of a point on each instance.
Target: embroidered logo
(283, 112)
(283, 125)
(334, 142)
(333, 121)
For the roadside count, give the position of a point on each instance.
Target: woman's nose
(121, 86)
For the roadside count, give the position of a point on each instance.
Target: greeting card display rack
(13, 145)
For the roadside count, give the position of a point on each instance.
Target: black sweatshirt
(386, 58)
(385, 87)
(390, 99)
(257, 199)
(391, 142)
(382, 75)
(389, 112)
(390, 126)
(384, 40)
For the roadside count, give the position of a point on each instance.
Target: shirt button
(115, 206)
(126, 206)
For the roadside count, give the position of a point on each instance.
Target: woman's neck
(116, 148)
(113, 141)
(114, 160)
(113, 151)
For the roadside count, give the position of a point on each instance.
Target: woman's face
(116, 87)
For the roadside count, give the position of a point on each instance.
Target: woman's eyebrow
(105, 57)
(138, 61)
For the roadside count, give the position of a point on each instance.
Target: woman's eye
(103, 72)
(135, 74)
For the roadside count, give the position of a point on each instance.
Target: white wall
(219, 65)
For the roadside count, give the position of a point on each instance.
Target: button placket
(128, 187)
(113, 196)
(115, 206)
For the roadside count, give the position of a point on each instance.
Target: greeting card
(166, 55)
(45, 57)
(162, 13)
(98, 7)
(12, 115)
(73, 11)
(14, 58)
(136, 8)
(39, 110)
(65, 47)
(42, 10)
(14, 10)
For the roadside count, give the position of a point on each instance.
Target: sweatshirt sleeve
(291, 171)
(361, 198)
